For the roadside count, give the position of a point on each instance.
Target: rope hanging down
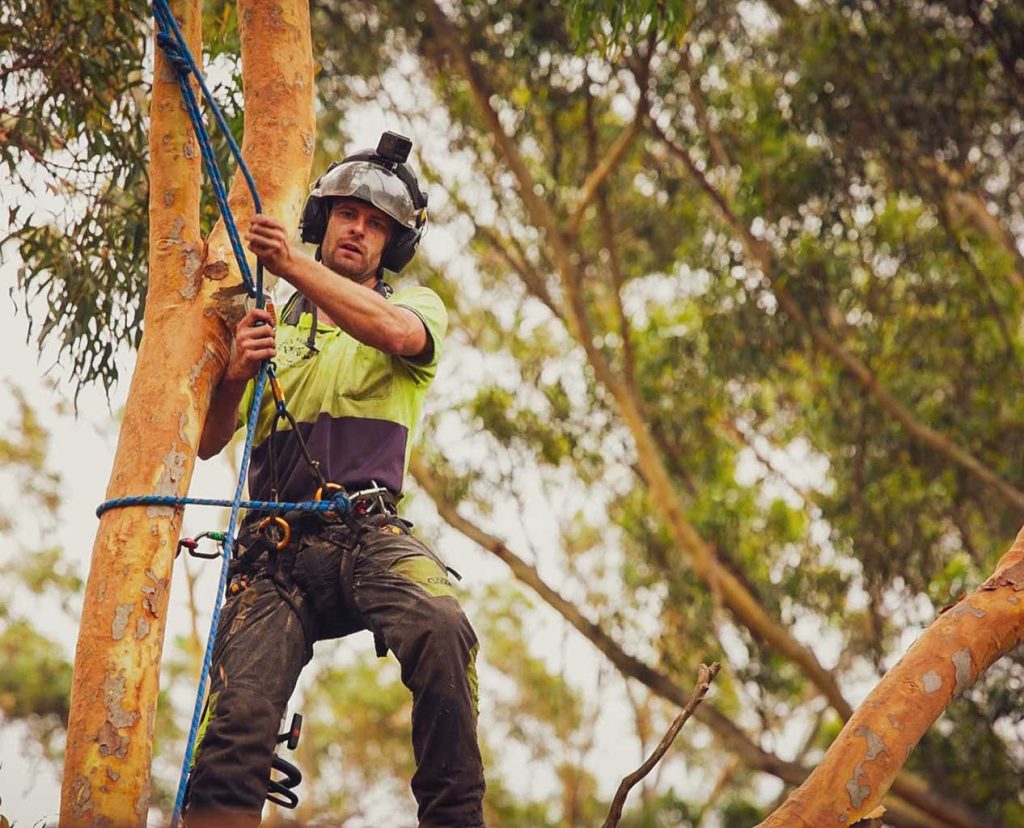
(170, 39)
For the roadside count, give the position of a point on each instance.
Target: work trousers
(339, 581)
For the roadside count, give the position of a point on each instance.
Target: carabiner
(276, 389)
(276, 522)
(333, 491)
(192, 545)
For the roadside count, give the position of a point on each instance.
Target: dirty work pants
(401, 592)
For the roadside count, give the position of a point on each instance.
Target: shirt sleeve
(427, 305)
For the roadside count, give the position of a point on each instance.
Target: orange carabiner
(278, 391)
(328, 488)
(280, 523)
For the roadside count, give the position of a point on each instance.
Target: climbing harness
(170, 39)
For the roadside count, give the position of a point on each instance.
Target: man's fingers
(262, 220)
(254, 317)
(262, 354)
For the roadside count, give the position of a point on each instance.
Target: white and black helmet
(379, 177)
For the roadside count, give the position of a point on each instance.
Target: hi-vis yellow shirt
(357, 407)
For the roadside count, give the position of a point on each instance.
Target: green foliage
(74, 142)
(864, 163)
(35, 684)
(606, 24)
(74, 134)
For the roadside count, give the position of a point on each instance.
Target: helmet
(379, 177)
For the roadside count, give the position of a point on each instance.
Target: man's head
(357, 235)
(379, 179)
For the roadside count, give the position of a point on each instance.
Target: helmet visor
(374, 184)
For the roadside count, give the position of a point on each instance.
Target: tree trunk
(944, 662)
(184, 349)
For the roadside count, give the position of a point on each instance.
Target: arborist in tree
(354, 359)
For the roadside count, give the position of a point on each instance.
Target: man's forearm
(221, 418)
(359, 311)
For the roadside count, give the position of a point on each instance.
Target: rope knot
(182, 63)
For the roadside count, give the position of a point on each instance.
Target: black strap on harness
(299, 304)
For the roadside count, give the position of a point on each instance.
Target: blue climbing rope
(336, 503)
(170, 39)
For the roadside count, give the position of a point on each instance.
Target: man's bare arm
(358, 310)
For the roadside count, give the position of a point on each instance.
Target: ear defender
(313, 223)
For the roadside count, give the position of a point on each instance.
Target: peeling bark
(116, 674)
(944, 662)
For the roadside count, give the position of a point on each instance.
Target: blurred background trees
(736, 292)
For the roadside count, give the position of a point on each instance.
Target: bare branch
(719, 156)
(611, 244)
(705, 675)
(599, 174)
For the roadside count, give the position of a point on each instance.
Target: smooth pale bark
(183, 352)
(280, 123)
(943, 663)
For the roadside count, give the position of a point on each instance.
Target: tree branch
(927, 809)
(607, 224)
(719, 156)
(705, 675)
(599, 174)
(948, 658)
(760, 255)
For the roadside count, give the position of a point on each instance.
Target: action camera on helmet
(379, 177)
(393, 147)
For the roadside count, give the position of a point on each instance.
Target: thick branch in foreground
(943, 663)
(106, 778)
(705, 675)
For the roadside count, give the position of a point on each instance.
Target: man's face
(357, 233)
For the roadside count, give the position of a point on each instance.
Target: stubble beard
(353, 272)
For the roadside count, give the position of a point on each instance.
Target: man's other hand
(254, 342)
